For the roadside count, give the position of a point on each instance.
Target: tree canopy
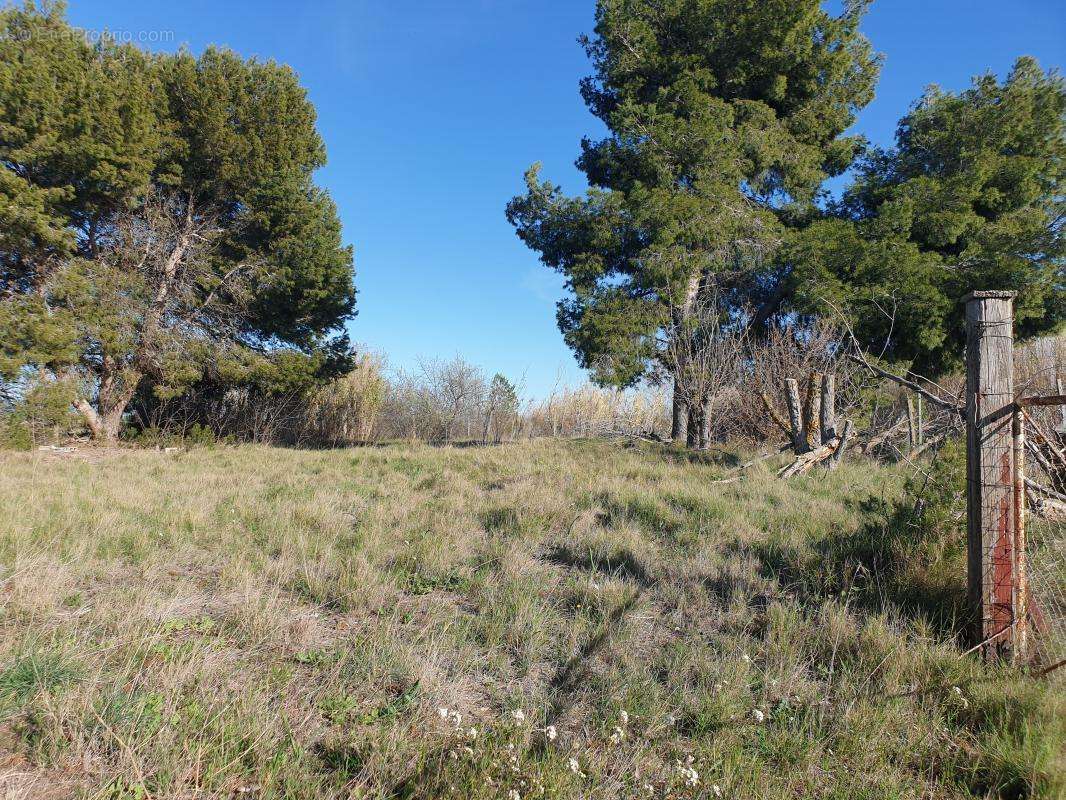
(724, 119)
(159, 221)
(970, 198)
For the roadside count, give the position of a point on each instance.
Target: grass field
(547, 619)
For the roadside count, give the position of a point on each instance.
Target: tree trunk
(698, 434)
(117, 389)
(705, 425)
(679, 429)
(685, 425)
(105, 424)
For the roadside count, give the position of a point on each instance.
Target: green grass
(257, 622)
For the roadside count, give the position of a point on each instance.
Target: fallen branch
(838, 454)
(873, 442)
(1048, 670)
(934, 442)
(1050, 400)
(1039, 457)
(775, 415)
(1046, 507)
(1050, 493)
(932, 398)
(804, 462)
(749, 464)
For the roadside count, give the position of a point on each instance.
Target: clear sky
(431, 111)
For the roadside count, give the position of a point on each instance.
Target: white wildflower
(551, 733)
(958, 693)
(623, 717)
(519, 716)
(757, 715)
(617, 735)
(575, 767)
(514, 795)
(442, 712)
(716, 790)
(472, 733)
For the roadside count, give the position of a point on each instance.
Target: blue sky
(432, 109)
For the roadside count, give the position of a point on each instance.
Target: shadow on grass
(675, 454)
(890, 563)
(619, 564)
(578, 667)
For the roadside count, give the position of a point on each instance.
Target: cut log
(829, 407)
(812, 411)
(808, 460)
(795, 415)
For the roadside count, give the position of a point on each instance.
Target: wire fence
(1045, 477)
(1047, 591)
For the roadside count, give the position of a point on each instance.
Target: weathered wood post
(829, 407)
(795, 416)
(812, 412)
(991, 517)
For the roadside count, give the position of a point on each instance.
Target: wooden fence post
(990, 471)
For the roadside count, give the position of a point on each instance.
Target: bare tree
(704, 353)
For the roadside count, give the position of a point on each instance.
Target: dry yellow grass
(257, 622)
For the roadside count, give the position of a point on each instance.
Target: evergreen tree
(970, 198)
(501, 410)
(159, 223)
(724, 119)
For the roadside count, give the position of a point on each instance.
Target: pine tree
(159, 223)
(724, 119)
(970, 198)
